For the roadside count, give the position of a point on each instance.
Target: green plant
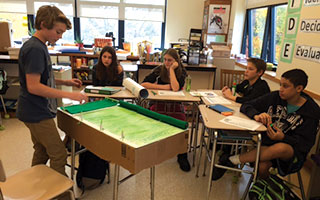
(31, 28)
(78, 40)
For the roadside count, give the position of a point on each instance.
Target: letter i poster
(301, 41)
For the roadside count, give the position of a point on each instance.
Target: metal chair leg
(301, 186)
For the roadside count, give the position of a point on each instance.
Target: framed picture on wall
(218, 18)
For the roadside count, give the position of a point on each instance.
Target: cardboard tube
(135, 88)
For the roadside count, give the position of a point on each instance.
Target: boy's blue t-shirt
(34, 58)
(292, 108)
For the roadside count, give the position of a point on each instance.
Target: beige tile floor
(170, 184)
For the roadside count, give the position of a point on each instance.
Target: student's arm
(175, 86)
(150, 80)
(256, 92)
(156, 86)
(258, 105)
(226, 92)
(35, 87)
(119, 79)
(73, 82)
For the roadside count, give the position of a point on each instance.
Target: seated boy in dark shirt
(253, 86)
(291, 117)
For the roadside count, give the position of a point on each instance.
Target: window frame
(268, 50)
(121, 18)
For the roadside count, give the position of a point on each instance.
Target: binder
(100, 90)
(221, 109)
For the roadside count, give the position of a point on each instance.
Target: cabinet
(194, 47)
(81, 65)
(216, 19)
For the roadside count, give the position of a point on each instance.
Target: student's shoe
(183, 162)
(219, 172)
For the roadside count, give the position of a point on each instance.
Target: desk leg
(152, 180)
(215, 138)
(116, 182)
(200, 150)
(192, 127)
(73, 155)
(195, 137)
(256, 167)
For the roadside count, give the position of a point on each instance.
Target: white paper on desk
(203, 94)
(170, 93)
(217, 100)
(241, 122)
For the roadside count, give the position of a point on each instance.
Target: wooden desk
(211, 120)
(188, 98)
(134, 149)
(190, 68)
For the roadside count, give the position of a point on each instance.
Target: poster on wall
(218, 18)
(301, 44)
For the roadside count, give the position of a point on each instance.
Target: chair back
(2, 173)
(228, 76)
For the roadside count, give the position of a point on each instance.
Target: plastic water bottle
(188, 83)
(234, 86)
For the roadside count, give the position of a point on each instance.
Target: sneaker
(183, 162)
(219, 172)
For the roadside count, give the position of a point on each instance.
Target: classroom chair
(228, 76)
(234, 138)
(38, 183)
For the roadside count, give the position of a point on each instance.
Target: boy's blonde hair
(50, 15)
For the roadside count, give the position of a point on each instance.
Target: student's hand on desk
(78, 96)
(225, 88)
(74, 82)
(264, 118)
(227, 93)
(274, 133)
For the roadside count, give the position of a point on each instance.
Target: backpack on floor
(92, 171)
(273, 188)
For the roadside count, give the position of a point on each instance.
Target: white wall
(182, 15)
(237, 19)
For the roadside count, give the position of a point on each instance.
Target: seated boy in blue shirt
(291, 117)
(253, 86)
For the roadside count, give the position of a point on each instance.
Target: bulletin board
(301, 42)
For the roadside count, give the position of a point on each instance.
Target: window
(258, 23)
(95, 27)
(15, 12)
(263, 32)
(67, 9)
(280, 21)
(19, 24)
(137, 29)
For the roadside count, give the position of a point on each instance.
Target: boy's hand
(74, 82)
(227, 93)
(78, 96)
(264, 118)
(225, 88)
(274, 135)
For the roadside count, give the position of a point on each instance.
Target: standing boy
(291, 117)
(37, 103)
(253, 86)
